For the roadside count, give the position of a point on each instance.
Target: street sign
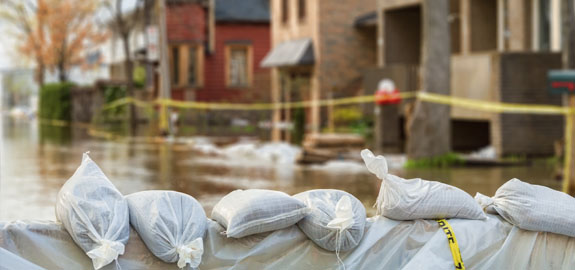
(561, 81)
(153, 43)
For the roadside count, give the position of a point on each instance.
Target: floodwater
(34, 167)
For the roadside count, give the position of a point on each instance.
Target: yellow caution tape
(490, 106)
(453, 246)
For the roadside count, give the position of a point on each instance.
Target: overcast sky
(7, 55)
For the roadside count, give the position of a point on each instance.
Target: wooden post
(330, 124)
(569, 63)
(164, 69)
(287, 111)
(569, 169)
(276, 99)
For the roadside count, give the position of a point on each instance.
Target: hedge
(55, 101)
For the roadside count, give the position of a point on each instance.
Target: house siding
(186, 24)
(215, 89)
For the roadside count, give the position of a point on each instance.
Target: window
(186, 65)
(238, 65)
(285, 11)
(301, 12)
(544, 42)
(193, 66)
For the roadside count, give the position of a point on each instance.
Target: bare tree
(123, 23)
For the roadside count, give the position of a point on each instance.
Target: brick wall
(523, 79)
(345, 50)
(215, 89)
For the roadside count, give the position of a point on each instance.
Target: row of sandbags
(527, 206)
(172, 224)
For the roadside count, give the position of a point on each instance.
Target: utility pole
(569, 63)
(164, 68)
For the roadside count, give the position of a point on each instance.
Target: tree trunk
(40, 70)
(429, 124)
(62, 72)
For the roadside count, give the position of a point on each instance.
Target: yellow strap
(453, 246)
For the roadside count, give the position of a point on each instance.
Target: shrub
(111, 94)
(55, 101)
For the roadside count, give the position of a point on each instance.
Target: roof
(290, 53)
(242, 11)
(366, 19)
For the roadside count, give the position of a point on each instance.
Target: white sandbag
(532, 207)
(411, 199)
(247, 212)
(336, 221)
(95, 213)
(171, 224)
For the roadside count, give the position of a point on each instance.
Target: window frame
(181, 76)
(249, 64)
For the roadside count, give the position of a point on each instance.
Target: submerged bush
(447, 160)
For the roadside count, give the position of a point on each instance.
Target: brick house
(499, 51)
(319, 51)
(214, 50)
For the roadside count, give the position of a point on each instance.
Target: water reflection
(35, 164)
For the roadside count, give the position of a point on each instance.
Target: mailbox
(561, 81)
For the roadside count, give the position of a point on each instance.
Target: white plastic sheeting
(532, 207)
(387, 244)
(336, 220)
(171, 224)
(95, 213)
(403, 199)
(247, 212)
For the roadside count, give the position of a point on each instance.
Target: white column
(555, 25)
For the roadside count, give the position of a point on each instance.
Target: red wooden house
(215, 50)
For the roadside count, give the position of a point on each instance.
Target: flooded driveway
(34, 167)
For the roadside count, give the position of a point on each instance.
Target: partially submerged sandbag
(411, 199)
(171, 224)
(252, 211)
(532, 207)
(336, 220)
(95, 213)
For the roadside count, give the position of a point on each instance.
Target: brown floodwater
(35, 163)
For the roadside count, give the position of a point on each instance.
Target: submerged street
(34, 168)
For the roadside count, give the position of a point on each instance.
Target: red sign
(387, 93)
